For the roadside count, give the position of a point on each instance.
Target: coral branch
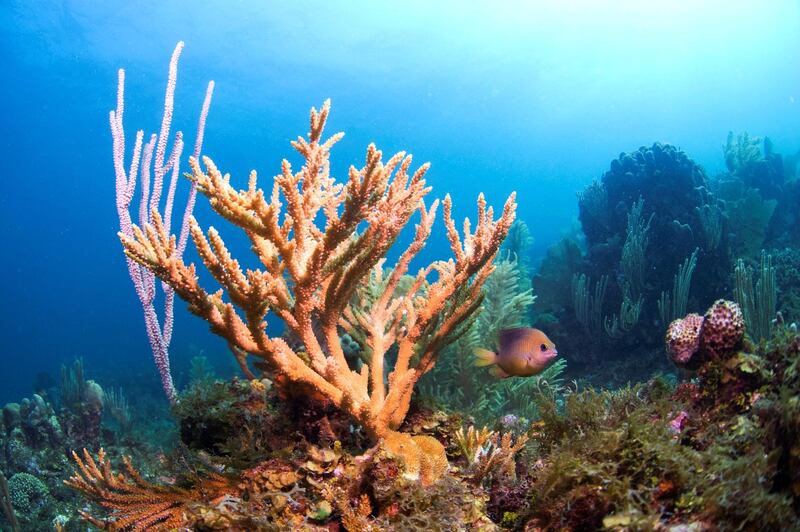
(320, 242)
(487, 451)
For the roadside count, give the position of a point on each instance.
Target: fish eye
(543, 347)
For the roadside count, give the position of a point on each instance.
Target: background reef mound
(659, 237)
(668, 181)
(646, 215)
(674, 191)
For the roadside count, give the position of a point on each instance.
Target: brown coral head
(422, 457)
(683, 341)
(723, 329)
(268, 477)
(322, 460)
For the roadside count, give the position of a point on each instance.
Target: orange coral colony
(311, 272)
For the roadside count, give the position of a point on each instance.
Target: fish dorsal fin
(509, 338)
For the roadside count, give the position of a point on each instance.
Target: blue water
(533, 97)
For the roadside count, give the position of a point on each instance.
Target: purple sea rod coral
(144, 281)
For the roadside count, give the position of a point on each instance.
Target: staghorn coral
(354, 518)
(310, 272)
(368, 293)
(471, 443)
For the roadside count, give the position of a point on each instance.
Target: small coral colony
(374, 408)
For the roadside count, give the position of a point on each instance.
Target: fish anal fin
(499, 373)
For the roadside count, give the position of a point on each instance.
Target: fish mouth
(550, 357)
(547, 358)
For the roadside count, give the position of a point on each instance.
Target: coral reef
(322, 247)
(366, 413)
(664, 179)
(294, 483)
(718, 452)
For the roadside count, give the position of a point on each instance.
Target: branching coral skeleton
(135, 503)
(487, 451)
(310, 272)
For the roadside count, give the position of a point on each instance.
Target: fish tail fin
(484, 357)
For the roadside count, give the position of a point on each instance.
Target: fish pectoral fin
(484, 357)
(499, 373)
